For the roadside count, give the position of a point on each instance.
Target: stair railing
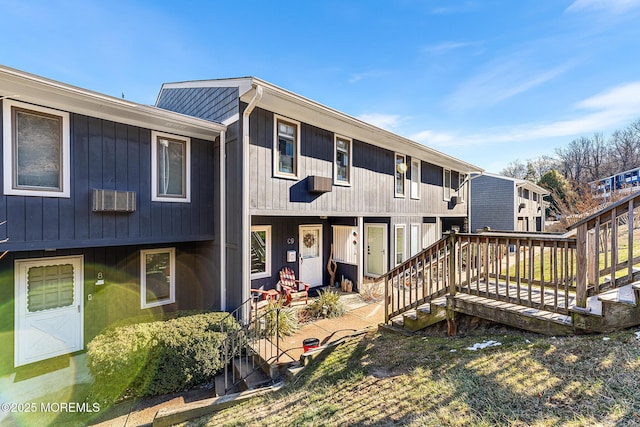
(251, 342)
(606, 254)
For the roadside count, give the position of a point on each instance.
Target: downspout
(223, 222)
(246, 214)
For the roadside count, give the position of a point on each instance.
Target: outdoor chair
(291, 288)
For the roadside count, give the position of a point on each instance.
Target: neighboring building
(623, 181)
(506, 204)
(300, 177)
(111, 211)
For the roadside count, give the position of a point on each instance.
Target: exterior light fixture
(401, 167)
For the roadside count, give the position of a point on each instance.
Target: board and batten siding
(113, 156)
(197, 287)
(210, 103)
(371, 191)
(492, 203)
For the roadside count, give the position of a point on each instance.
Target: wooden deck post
(451, 277)
(581, 266)
(591, 255)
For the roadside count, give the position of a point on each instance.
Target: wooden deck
(557, 284)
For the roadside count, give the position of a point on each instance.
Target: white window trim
(276, 172)
(267, 266)
(462, 178)
(154, 168)
(336, 181)
(395, 243)
(7, 137)
(404, 176)
(143, 277)
(417, 178)
(446, 189)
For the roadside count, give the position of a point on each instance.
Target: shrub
(155, 358)
(330, 299)
(280, 319)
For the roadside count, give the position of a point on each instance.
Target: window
(170, 168)
(415, 239)
(415, 178)
(400, 173)
(345, 244)
(36, 150)
(157, 277)
(260, 251)
(343, 161)
(461, 189)
(285, 151)
(447, 184)
(399, 250)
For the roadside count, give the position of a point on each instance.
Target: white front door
(311, 267)
(48, 308)
(376, 239)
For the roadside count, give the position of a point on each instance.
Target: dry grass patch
(386, 379)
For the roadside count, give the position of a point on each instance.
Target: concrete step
(251, 372)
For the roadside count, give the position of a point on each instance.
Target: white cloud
(615, 6)
(500, 81)
(381, 120)
(615, 107)
(356, 77)
(445, 47)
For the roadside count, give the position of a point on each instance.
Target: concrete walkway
(360, 315)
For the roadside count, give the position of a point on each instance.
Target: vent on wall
(114, 201)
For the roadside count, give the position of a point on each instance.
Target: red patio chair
(292, 288)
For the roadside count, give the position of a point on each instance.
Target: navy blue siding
(492, 203)
(197, 287)
(108, 155)
(210, 103)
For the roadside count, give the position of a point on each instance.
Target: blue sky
(487, 81)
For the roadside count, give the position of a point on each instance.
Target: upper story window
(285, 151)
(36, 149)
(446, 184)
(415, 178)
(343, 161)
(400, 173)
(462, 178)
(170, 168)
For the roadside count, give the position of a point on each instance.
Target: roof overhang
(25, 87)
(298, 107)
(294, 106)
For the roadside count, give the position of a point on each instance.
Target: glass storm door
(48, 308)
(310, 257)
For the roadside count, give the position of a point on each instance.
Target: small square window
(287, 138)
(170, 169)
(157, 277)
(36, 150)
(260, 251)
(343, 161)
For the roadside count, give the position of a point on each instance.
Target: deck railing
(544, 271)
(608, 248)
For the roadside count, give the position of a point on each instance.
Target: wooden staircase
(546, 283)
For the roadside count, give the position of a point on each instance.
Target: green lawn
(387, 379)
